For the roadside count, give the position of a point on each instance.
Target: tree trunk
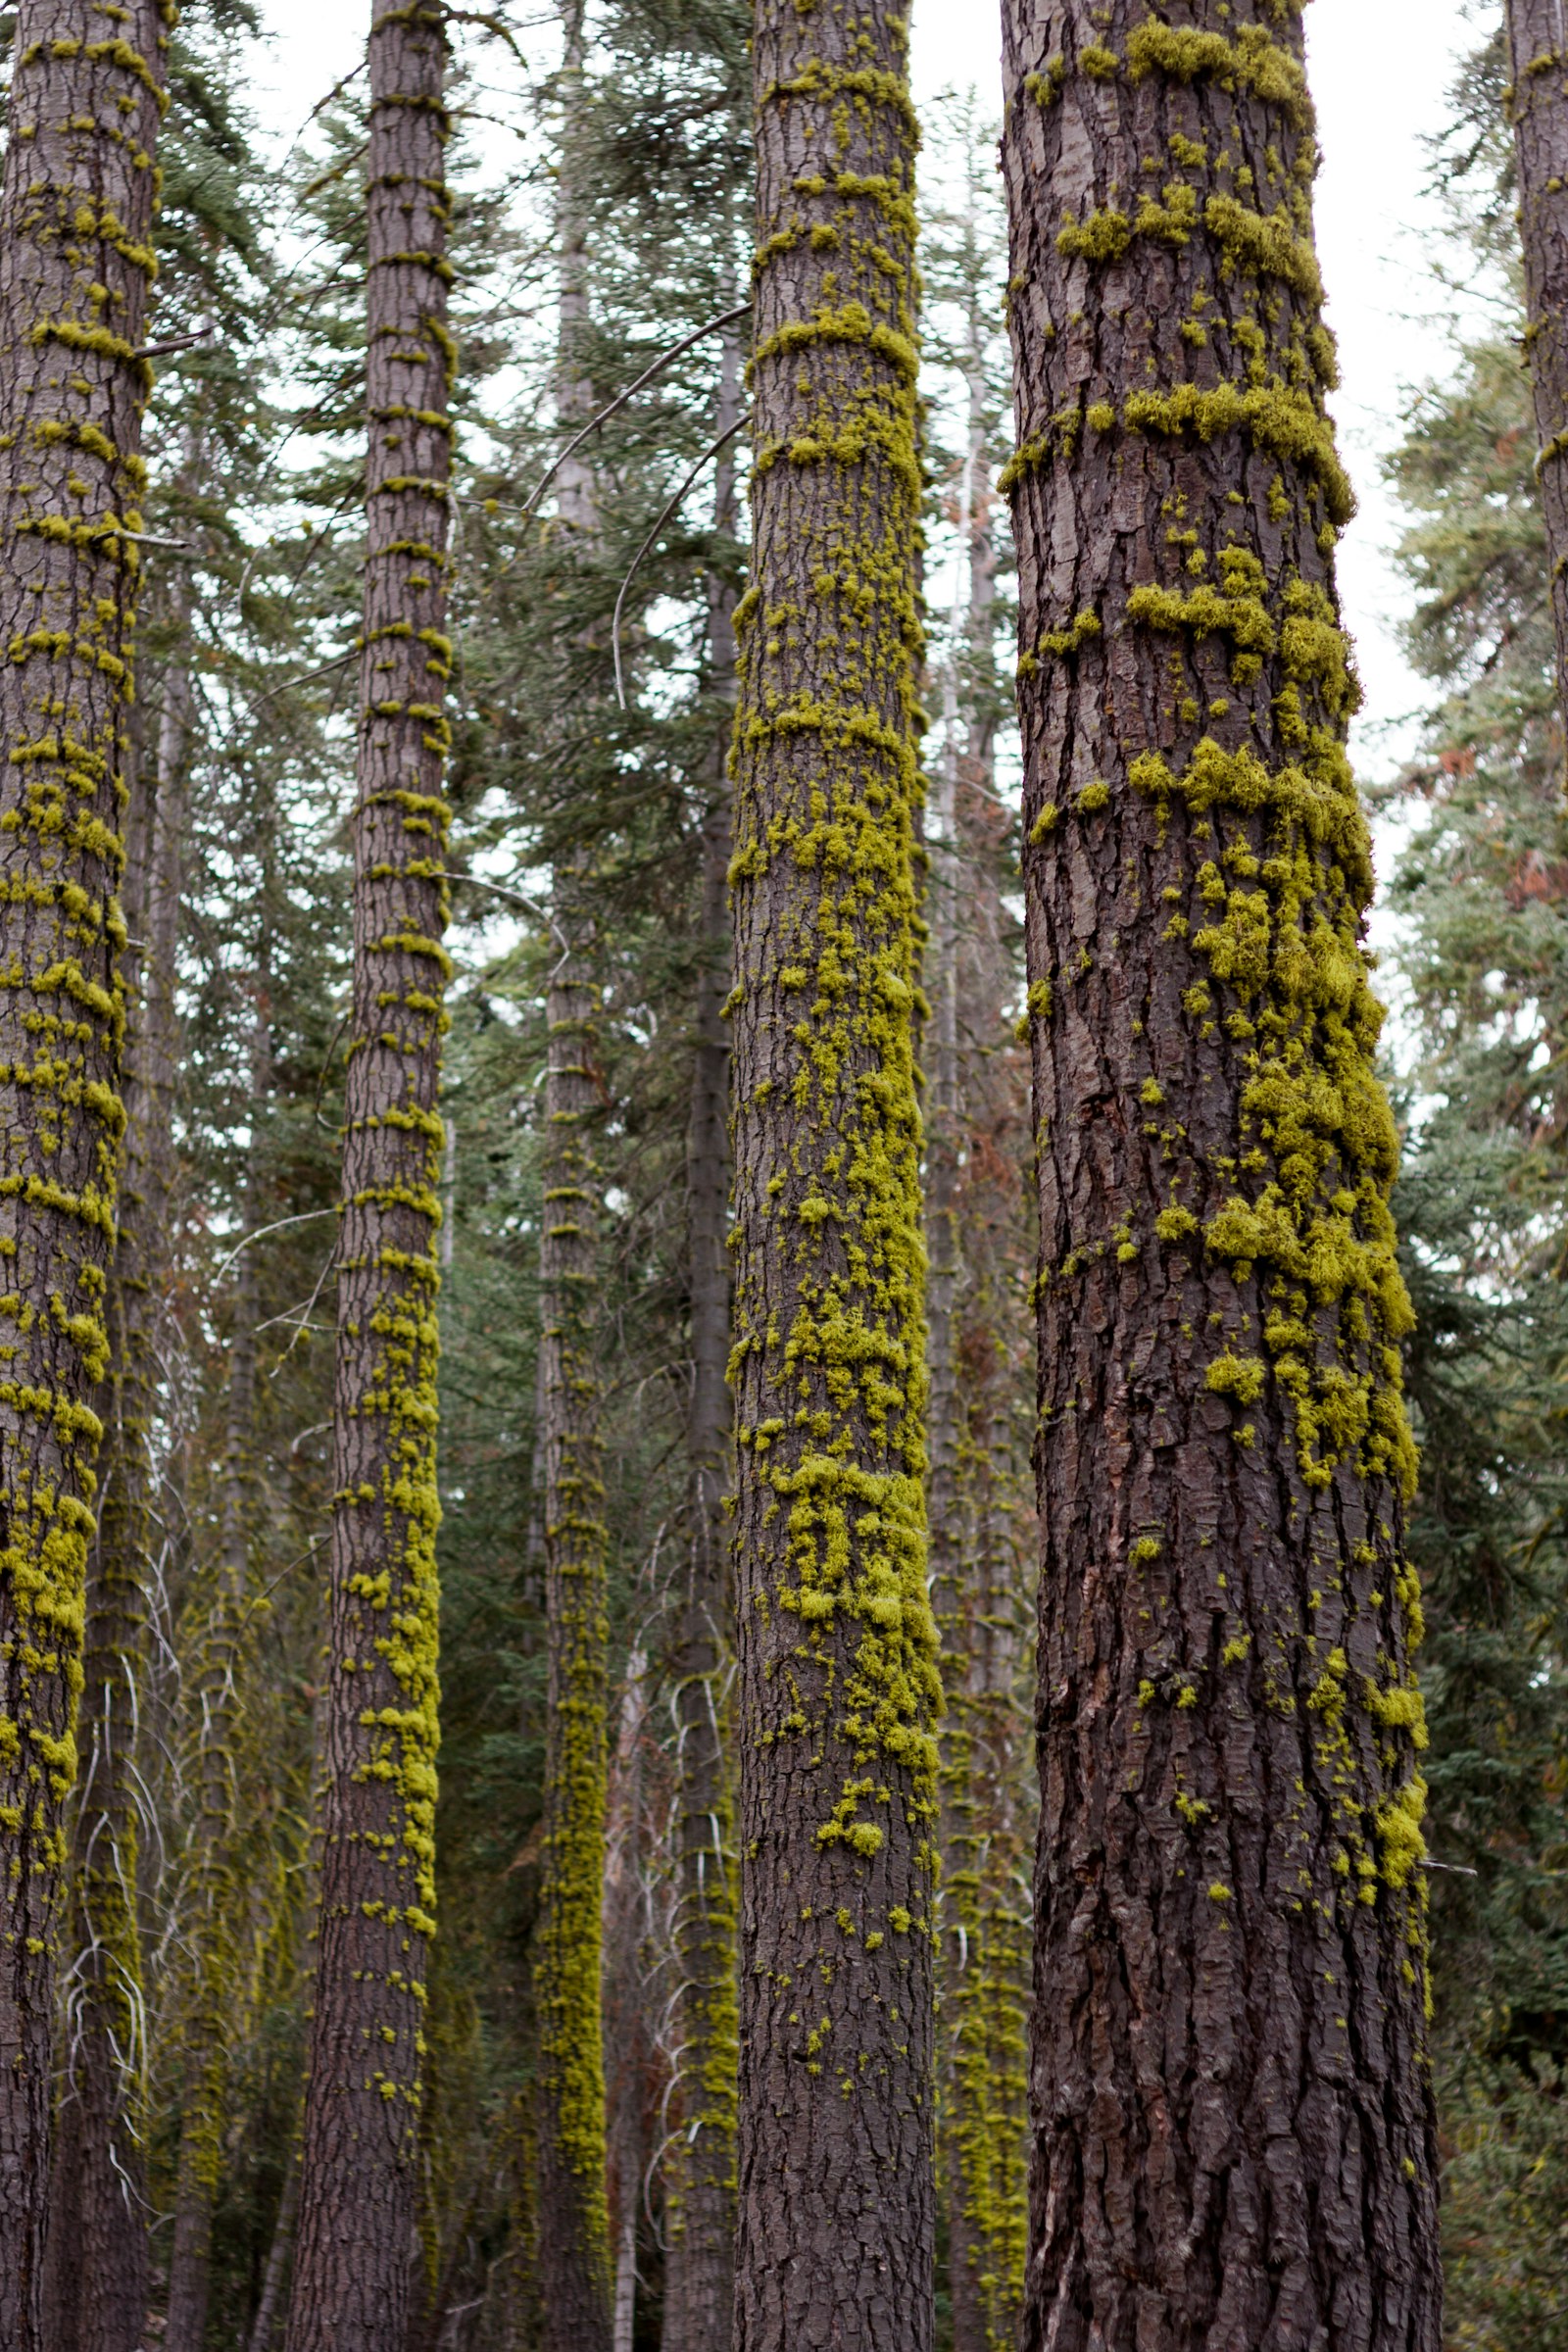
(352, 2265)
(98, 2234)
(75, 213)
(265, 2325)
(982, 1571)
(627, 1992)
(700, 2273)
(575, 2283)
(1537, 58)
(838, 1683)
(212, 1898)
(1232, 2115)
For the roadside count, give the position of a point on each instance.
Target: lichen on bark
(1230, 1728)
(839, 1688)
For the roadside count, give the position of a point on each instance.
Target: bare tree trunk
(75, 215)
(1537, 57)
(700, 2273)
(352, 2265)
(574, 2265)
(98, 2239)
(837, 1645)
(268, 2310)
(1233, 2121)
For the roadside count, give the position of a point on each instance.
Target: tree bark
(575, 2278)
(75, 215)
(211, 1899)
(1233, 2121)
(838, 1683)
(1537, 58)
(981, 1570)
(98, 2233)
(353, 2257)
(700, 2272)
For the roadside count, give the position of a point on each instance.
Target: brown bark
(356, 2243)
(269, 2305)
(75, 215)
(982, 1568)
(700, 2272)
(575, 2285)
(837, 1646)
(1233, 2121)
(1537, 58)
(98, 2234)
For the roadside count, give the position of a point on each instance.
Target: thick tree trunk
(700, 2273)
(982, 1570)
(75, 216)
(1538, 58)
(98, 2232)
(353, 2259)
(575, 2285)
(1233, 2121)
(838, 1683)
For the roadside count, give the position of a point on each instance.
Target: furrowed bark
(982, 1570)
(76, 264)
(575, 2283)
(838, 1683)
(1232, 2116)
(98, 2234)
(700, 2272)
(353, 2260)
(1537, 58)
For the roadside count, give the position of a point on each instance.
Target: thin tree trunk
(979, 1479)
(700, 2273)
(575, 2283)
(75, 215)
(1538, 58)
(207, 2027)
(98, 2239)
(352, 2265)
(627, 2038)
(838, 1680)
(265, 2325)
(1232, 2119)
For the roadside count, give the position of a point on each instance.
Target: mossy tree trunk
(575, 2283)
(353, 2259)
(700, 2273)
(76, 264)
(1233, 2121)
(213, 1900)
(981, 1509)
(1537, 58)
(98, 2229)
(838, 1683)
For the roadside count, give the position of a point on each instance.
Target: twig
(306, 1217)
(711, 451)
(158, 351)
(727, 318)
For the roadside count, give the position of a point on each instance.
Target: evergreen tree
(75, 221)
(351, 2280)
(1231, 1732)
(837, 1646)
(1538, 45)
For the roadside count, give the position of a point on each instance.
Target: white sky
(1380, 72)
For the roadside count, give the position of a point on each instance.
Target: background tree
(1538, 101)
